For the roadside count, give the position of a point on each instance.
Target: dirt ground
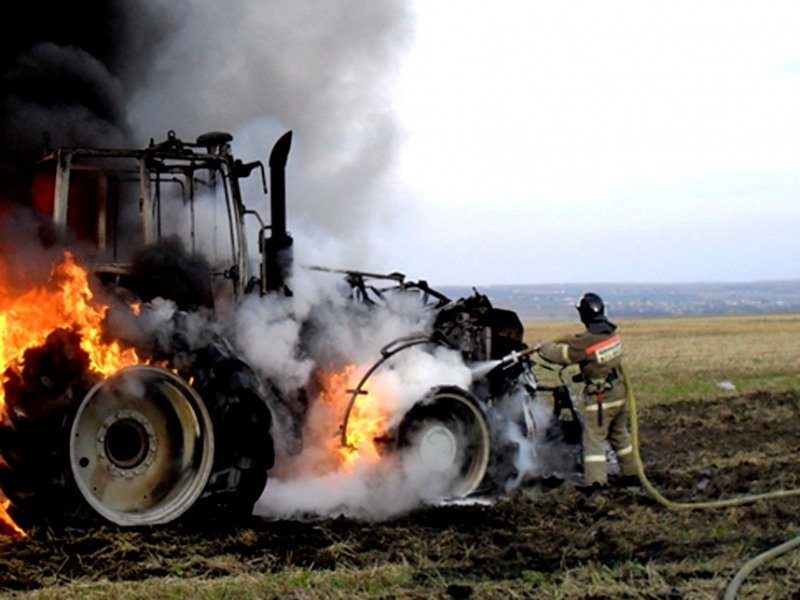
(536, 543)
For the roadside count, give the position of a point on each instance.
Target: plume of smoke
(30, 246)
(335, 332)
(269, 334)
(87, 99)
(71, 81)
(323, 70)
(124, 72)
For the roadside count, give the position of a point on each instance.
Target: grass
(293, 582)
(686, 358)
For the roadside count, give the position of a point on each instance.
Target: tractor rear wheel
(141, 447)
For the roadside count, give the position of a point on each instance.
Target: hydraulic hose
(754, 563)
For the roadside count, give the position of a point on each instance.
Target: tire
(239, 406)
(34, 435)
(142, 447)
(174, 450)
(445, 445)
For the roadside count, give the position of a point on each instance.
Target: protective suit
(603, 400)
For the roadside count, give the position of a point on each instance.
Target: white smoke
(416, 371)
(320, 329)
(371, 492)
(268, 332)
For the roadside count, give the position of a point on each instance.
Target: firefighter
(603, 402)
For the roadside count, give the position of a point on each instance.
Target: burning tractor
(482, 435)
(166, 418)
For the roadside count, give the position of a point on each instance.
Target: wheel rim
(437, 446)
(447, 437)
(141, 446)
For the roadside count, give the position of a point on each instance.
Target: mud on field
(537, 543)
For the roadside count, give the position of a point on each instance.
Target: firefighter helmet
(590, 306)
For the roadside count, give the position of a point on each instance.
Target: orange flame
(367, 422)
(7, 524)
(26, 320)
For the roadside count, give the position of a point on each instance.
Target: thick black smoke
(120, 72)
(167, 270)
(67, 72)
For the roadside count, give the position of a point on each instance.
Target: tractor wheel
(141, 447)
(444, 441)
(147, 448)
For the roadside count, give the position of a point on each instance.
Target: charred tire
(141, 447)
(238, 403)
(447, 436)
(34, 474)
(216, 432)
(147, 448)
(34, 432)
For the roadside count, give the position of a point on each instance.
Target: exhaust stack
(278, 247)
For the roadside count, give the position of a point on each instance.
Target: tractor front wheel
(444, 441)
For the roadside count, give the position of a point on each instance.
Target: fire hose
(733, 587)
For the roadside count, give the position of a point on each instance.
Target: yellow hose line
(656, 495)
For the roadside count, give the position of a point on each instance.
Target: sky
(546, 142)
